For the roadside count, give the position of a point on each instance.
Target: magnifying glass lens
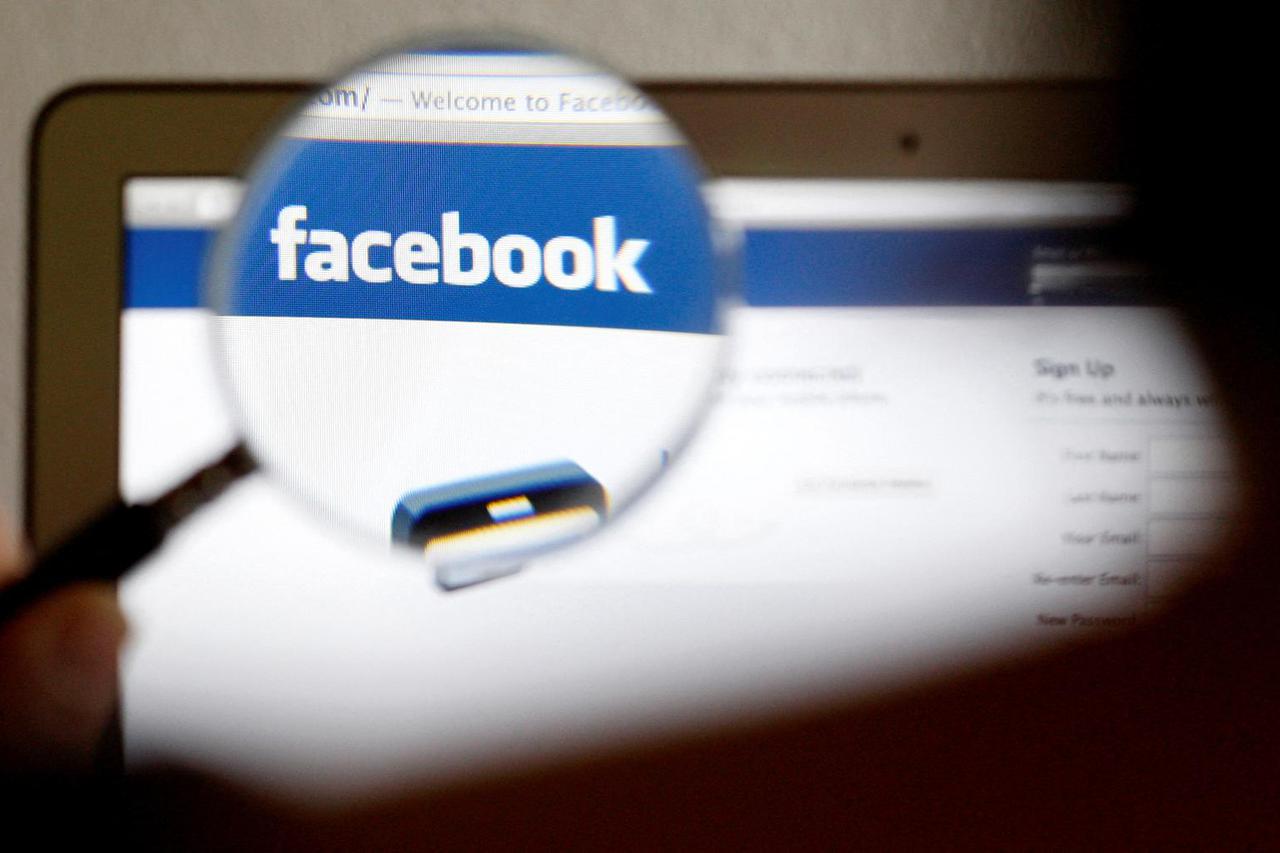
(469, 304)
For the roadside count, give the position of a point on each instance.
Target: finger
(58, 679)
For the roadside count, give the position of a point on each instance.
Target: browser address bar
(551, 99)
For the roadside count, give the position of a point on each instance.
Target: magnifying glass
(470, 306)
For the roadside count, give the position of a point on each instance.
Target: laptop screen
(954, 423)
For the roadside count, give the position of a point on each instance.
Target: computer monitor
(955, 424)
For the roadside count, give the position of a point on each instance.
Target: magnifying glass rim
(217, 276)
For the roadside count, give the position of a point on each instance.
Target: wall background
(46, 47)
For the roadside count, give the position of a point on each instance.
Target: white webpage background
(355, 413)
(880, 494)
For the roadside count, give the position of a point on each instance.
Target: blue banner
(614, 237)
(163, 266)
(940, 267)
(796, 268)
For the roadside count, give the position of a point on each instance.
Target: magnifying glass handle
(123, 535)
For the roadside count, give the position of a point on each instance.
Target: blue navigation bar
(163, 266)
(798, 267)
(940, 266)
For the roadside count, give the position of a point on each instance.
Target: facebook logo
(559, 235)
(459, 258)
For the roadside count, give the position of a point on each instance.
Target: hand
(58, 673)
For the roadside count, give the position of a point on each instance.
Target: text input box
(1193, 495)
(1183, 537)
(1190, 456)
